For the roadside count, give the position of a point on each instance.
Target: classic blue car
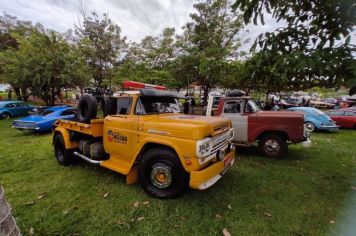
(315, 119)
(44, 119)
(13, 108)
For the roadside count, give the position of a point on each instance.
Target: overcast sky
(137, 18)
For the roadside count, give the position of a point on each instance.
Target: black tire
(5, 116)
(273, 146)
(158, 162)
(87, 109)
(64, 156)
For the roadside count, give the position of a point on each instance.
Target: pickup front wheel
(161, 173)
(273, 146)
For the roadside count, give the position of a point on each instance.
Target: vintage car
(315, 119)
(272, 131)
(10, 109)
(345, 118)
(44, 119)
(145, 137)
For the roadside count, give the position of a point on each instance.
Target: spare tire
(87, 109)
(236, 93)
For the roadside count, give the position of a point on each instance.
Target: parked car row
(37, 118)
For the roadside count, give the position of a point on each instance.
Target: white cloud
(137, 18)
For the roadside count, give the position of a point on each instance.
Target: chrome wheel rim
(161, 176)
(272, 146)
(309, 127)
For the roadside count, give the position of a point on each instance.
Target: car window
(318, 112)
(232, 107)
(251, 107)
(22, 105)
(123, 105)
(10, 105)
(43, 112)
(336, 113)
(157, 105)
(69, 112)
(350, 113)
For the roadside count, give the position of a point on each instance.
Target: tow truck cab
(145, 137)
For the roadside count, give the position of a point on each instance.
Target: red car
(345, 118)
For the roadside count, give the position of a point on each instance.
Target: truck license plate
(227, 160)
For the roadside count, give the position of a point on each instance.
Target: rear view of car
(44, 119)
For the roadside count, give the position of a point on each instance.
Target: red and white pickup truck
(271, 130)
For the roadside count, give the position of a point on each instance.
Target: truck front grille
(220, 142)
(221, 128)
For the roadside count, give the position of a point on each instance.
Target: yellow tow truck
(145, 137)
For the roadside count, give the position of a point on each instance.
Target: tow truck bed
(95, 128)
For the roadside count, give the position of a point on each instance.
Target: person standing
(186, 106)
(192, 104)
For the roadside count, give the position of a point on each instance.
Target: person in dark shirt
(192, 104)
(186, 106)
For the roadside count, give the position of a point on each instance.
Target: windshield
(154, 105)
(43, 113)
(253, 106)
(318, 112)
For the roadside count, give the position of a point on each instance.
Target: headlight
(231, 134)
(203, 147)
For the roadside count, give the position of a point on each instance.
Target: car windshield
(318, 112)
(43, 112)
(154, 105)
(253, 106)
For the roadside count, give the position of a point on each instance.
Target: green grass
(295, 196)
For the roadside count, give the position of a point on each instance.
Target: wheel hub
(310, 127)
(161, 176)
(272, 146)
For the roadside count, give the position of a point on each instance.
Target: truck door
(119, 129)
(233, 110)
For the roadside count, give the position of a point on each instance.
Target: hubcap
(161, 176)
(309, 127)
(272, 146)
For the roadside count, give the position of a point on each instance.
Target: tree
(210, 40)
(42, 65)
(149, 61)
(101, 44)
(312, 49)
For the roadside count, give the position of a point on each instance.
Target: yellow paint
(200, 177)
(132, 133)
(132, 178)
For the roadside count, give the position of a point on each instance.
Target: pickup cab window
(157, 105)
(251, 106)
(232, 107)
(123, 105)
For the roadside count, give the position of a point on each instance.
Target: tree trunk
(24, 94)
(206, 89)
(7, 222)
(18, 93)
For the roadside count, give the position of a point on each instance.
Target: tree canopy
(312, 49)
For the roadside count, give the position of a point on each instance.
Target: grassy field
(303, 194)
